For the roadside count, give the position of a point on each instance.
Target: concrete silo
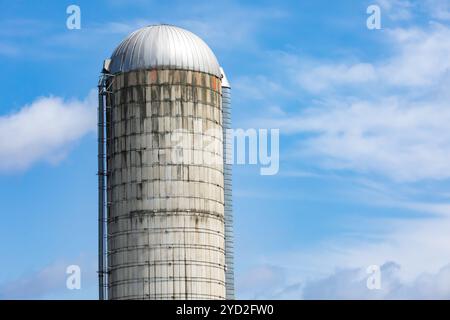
(162, 224)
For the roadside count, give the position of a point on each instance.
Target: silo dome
(164, 47)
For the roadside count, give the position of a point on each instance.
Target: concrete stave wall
(166, 218)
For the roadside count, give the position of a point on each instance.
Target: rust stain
(153, 76)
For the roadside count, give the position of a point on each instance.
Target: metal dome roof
(164, 47)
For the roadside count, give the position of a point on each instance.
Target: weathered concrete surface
(166, 218)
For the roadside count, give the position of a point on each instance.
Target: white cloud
(49, 282)
(336, 268)
(257, 88)
(419, 61)
(324, 76)
(388, 117)
(37, 284)
(44, 131)
(421, 58)
(351, 284)
(391, 137)
(396, 10)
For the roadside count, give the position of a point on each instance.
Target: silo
(165, 220)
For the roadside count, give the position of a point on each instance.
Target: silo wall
(165, 214)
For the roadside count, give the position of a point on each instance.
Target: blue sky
(364, 147)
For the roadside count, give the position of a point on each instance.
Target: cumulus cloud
(352, 284)
(419, 61)
(50, 281)
(397, 10)
(265, 88)
(399, 139)
(44, 131)
(421, 57)
(336, 267)
(35, 285)
(388, 117)
(322, 77)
